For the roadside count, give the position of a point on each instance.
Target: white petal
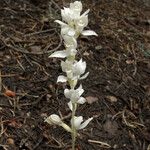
(60, 22)
(53, 119)
(83, 125)
(61, 79)
(59, 54)
(81, 100)
(85, 13)
(67, 93)
(70, 105)
(80, 87)
(84, 76)
(89, 32)
(77, 121)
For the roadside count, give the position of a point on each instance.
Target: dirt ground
(117, 89)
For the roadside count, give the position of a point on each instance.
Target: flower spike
(72, 25)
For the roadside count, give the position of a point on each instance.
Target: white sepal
(59, 54)
(83, 125)
(85, 13)
(77, 122)
(79, 67)
(66, 14)
(70, 105)
(84, 76)
(60, 22)
(81, 100)
(89, 33)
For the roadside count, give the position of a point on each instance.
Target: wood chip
(86, 54)
(10, 93)
(111, 98)
(91, 99)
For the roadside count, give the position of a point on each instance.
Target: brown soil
(117, 89)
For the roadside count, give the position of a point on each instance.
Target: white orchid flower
(79, 67)
(75, 23)
(74, 96)
(66, 29)
(77, 122)
(74, 69)
(69, 14)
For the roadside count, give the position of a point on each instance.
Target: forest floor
(117, 88)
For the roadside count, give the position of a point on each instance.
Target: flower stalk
(72, 25)
(74, 131)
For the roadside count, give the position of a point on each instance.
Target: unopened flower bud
(53, 119)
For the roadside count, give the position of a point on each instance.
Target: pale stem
(74, 131)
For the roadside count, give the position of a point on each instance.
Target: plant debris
(118, 61)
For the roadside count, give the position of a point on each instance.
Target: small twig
(20, 65)
(52, 1)
(0, 82)
(7, 75)
(60, 145)
(2, 127)
(102, 144)
(4, 146)
(27, 59)
(38, 32)
(148, 148)
(135, 62)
